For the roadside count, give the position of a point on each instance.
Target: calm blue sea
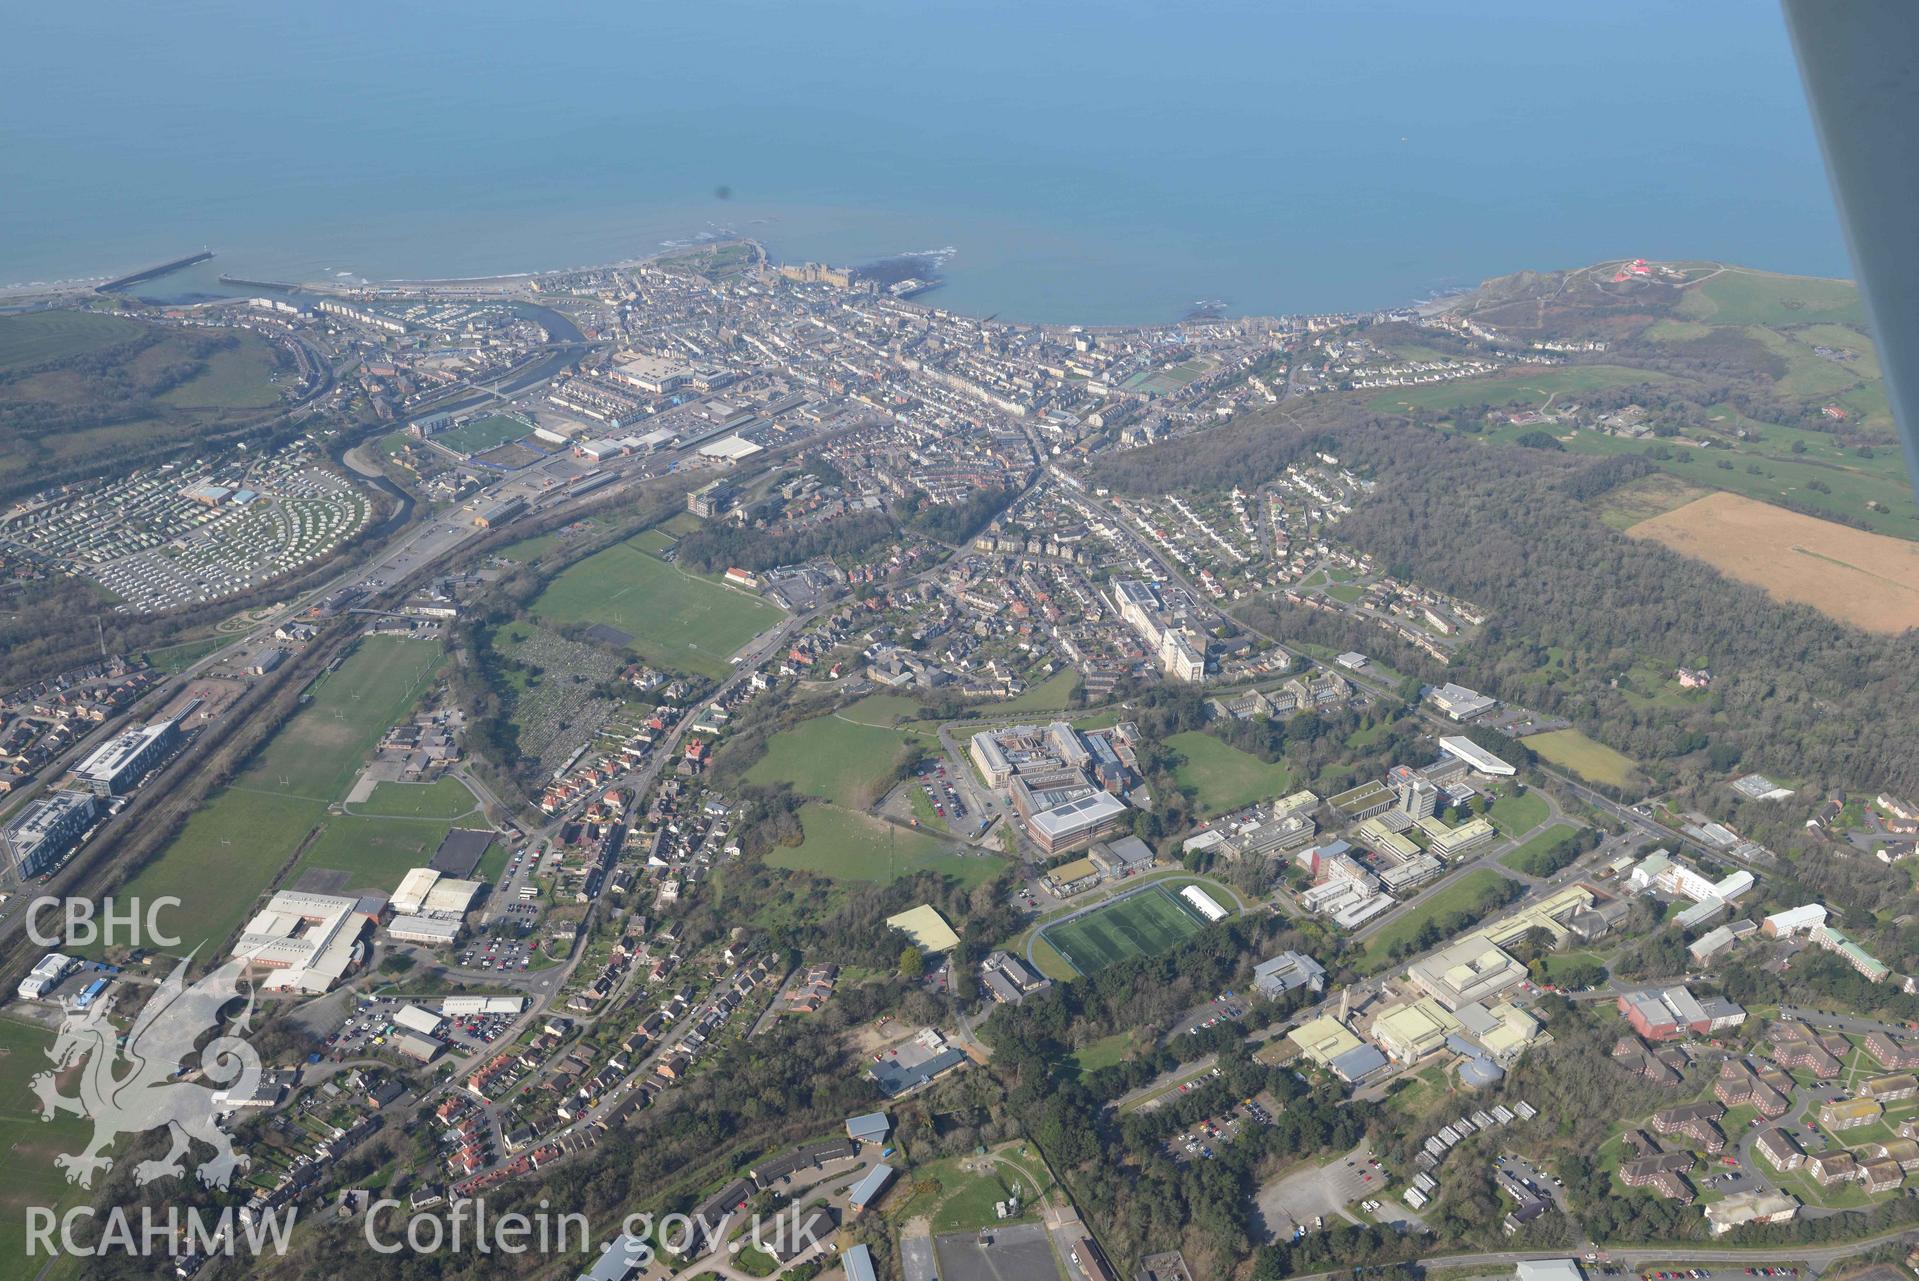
(1106, 163)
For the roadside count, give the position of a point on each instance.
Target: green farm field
(232, 847)
(233, 379)
(1807, 372)
(37, 336)
(532, 548)
(136, 398)
(676, 619)
(847, 846)
(1642, 499)
(178, 657)
(1741, 296)
(680, 524)
(1141, 924)
(831, 758)
(882, 710)
(1105, 1052)
(1790, 317)
(1768, 470)
(1221, 777)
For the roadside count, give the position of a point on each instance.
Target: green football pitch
(1144, 923)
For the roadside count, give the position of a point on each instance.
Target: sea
(1113, 163)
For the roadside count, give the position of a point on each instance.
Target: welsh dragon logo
(128, 1089)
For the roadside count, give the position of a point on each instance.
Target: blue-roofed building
(1356, 1065)
(871, 1187)
(1478, 1072)
(625, 1258)
(871, 1128)
(858, 1262)
(895, 1078)
(1476, 1068)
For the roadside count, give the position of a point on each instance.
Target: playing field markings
(1140, 924)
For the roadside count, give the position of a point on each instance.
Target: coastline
(29, 296)
(36, 296)
(89, 283)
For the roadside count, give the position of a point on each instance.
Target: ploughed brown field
(1869, 580)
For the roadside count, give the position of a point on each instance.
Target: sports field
(322, 749)
(836, 760)
(1570, 749)
(1868, 580)
(231, 847)
(847, 846)
(442, 798)
(484, 433)
(371, 853)
(1150, 921)
(1221, 777)
(676, 619)
(29, 1143)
